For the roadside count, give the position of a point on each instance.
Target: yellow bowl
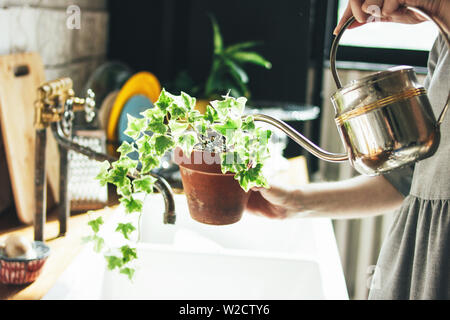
(143, 83)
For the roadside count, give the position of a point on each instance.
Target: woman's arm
(353, 198)
(395, 11)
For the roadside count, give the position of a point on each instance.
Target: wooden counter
(64, 249)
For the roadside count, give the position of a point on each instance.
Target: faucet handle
(86, 104)
(56, 101)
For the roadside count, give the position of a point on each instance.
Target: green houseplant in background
(222, 133)
(227, 73)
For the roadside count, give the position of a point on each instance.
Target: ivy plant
(173, 122)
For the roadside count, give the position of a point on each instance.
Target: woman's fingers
(358, 13)
(361, 10)
(345, 16)
(389, 7)
(380, 10)
(258, 205)
(373, 7)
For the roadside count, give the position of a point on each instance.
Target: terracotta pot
(213, 197)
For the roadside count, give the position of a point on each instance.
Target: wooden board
(18, 91)
(5, 184)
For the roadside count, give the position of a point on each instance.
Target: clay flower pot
(213, 197)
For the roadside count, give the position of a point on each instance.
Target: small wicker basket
(21, 270)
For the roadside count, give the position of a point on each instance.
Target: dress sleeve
(401, 178)
(432, 59)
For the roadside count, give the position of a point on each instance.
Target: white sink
(256, 258)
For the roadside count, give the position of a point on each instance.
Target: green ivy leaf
(103, 174)
(164, 100)
(201, 125)
(228, 128)
(144, 184)
(156, 122)
(131, 205)
(222, 107)
(125, 229)
(231, 162)
(177, 111)
(149, 162)
(125, 188)
(211, 114)
(238, 106)
(189, 102)
(135, 126)
(113, 262)
(187, 142)
(128, 272)
(152, 113)
(125, 148)
(177, 128)
(162, 143)
(95, 224)
(128, 253)
(249, 124)
(125, 163)
(117, 176)
(144, 145)
(157, 127)
(98, 242)
(194, 116)
(251, 178)
(263, 136)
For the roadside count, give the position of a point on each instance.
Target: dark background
(168, 36)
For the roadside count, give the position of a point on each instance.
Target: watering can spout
(301, 140)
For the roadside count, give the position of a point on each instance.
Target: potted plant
(221, 156)
(227, 74)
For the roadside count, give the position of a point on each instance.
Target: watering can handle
(351, 20)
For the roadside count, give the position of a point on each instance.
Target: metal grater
(84, 190)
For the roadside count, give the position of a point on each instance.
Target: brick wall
(41, 25)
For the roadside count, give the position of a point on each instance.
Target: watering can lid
(355, 84)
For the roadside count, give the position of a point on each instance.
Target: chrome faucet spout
(301, 140)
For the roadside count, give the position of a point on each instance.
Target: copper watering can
(385, 120)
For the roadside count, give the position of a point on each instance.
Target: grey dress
(414, 262)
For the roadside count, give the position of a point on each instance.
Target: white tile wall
(58, 4)
(40, 25)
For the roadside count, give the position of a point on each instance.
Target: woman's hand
(353, 198)
(275, 203)
(395, 11)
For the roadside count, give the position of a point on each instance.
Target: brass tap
(53, 99)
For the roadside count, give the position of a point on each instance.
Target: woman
(414, 262)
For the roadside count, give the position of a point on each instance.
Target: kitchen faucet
(55, 108)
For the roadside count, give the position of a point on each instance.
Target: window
(391, 43)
